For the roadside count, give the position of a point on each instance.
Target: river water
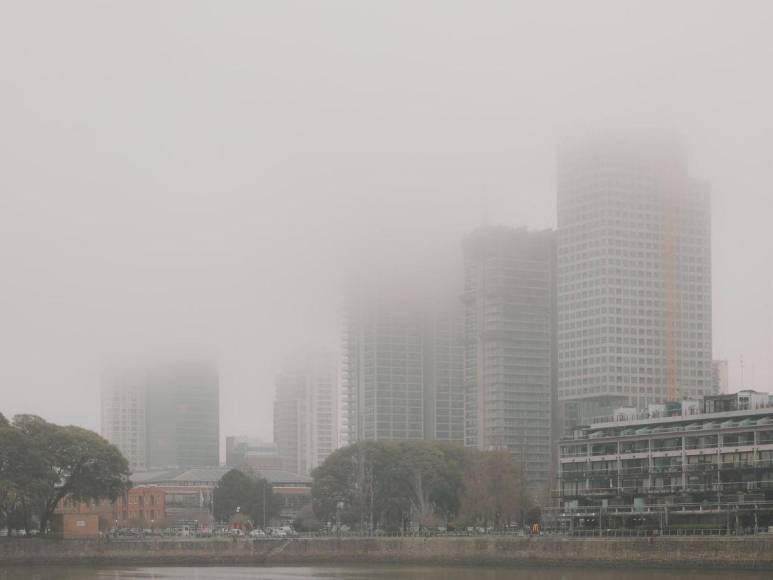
(365, 573)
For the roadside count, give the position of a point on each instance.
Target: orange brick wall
(76, 526)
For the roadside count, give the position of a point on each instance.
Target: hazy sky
(204, 171)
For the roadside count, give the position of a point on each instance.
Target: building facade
(163, 414)
(383, 371)
(306, 411)
(140, 507)
(509, 363)
(634, 276)
(402, 369)
(123, 420)
(443, 356)
(183, 415)
(251, 452)
(702, 463)
(181, 498)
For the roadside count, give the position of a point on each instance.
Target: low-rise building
(76, 526)
(685, 467)
(176, 498)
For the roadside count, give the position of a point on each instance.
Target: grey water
(365, 573)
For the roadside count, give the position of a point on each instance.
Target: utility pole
(264, 504)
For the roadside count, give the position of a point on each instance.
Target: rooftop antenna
(742, 372)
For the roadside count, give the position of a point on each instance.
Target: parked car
(257, 533)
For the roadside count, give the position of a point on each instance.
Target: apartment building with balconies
(689, 462)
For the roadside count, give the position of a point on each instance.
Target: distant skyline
(189, 172)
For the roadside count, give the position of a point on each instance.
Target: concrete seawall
(698, 552)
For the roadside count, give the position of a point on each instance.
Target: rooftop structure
(251, 452)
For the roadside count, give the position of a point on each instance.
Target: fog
(206, 173)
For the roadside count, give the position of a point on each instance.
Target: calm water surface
(364, 573)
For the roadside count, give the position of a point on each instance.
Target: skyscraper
(163, 414)
(402, 368)
(443, 356)
(634, 276)
(383, 371)
(509, 369)
(182, 411)
(123, 414)
(306, 410)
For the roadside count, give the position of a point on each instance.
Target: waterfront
(363, 573)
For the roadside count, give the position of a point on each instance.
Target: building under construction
(700, 466)
(509, 324)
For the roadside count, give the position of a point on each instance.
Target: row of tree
(388, 485)
(41, 463)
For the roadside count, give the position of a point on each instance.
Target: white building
(634, 276)
(306, 411)
(123, 415)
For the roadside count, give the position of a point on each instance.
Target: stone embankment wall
(699, 552)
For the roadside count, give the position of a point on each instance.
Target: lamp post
(264, 504)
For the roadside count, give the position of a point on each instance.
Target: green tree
(80, 464)
(436, 477)
(386, 485)
(493, 490)
(253, 496)
(20, 468)
(306, 520)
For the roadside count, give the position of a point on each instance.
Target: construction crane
(671, 301)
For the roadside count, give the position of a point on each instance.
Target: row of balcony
(704, 487)
(690, 467)
(613, 449)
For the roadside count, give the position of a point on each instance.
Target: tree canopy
(386, 485)
(41, 463)
(252, 496)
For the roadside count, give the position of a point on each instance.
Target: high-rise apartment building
(183, 414)
(306, 411)
(163, 414)
(123, 414)
(402, 369)
(383, 371)
(509, 363)
(634, 276)
(443, 356)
